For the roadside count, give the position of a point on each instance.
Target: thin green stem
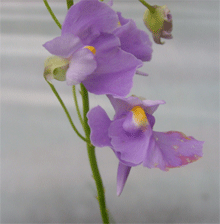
(90, 147)
(69, 3)
(66, 111)
(77, 106)
(92, 159)
(52, 14)
(151, 8)
(85, 100)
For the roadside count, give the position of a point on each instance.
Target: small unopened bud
(159, 23)
(55, 68)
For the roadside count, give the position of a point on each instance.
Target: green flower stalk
(56, 68)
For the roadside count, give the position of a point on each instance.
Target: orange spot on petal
(91, 48)
(139, 116)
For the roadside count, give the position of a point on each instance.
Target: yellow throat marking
(139, 116)
(91, 48)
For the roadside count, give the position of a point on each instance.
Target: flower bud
(159, 23)
(55, 68)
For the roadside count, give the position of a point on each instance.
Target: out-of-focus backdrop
(46, 176)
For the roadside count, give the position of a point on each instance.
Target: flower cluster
(102, 50)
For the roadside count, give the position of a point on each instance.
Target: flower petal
(110, 3)
(129, 124)
(82, 64)
(129, 147)
(105, 44)
(123, 105)
(99, 123)
(156, 37)
(87, 19)
(123, 172)
(166, 35)
(172, 149)
(133, 40)
(115, 68)
(150, 106)
(64, 45)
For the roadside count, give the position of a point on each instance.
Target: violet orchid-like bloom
(92, 50)
(130, 135)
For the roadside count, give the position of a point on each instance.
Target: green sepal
(154, 21)
(55, 68)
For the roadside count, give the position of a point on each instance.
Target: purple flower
(99, 53)
(130, 135)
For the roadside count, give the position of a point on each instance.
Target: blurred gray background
(45, 175)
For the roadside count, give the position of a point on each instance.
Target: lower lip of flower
(91, 48)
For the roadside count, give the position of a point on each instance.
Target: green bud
(159, 23)
(55, 68)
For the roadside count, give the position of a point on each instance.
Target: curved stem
(52, 14)
(90, 147)
(151, 8)
(77, 106)
(92, 159)
(66, 111)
